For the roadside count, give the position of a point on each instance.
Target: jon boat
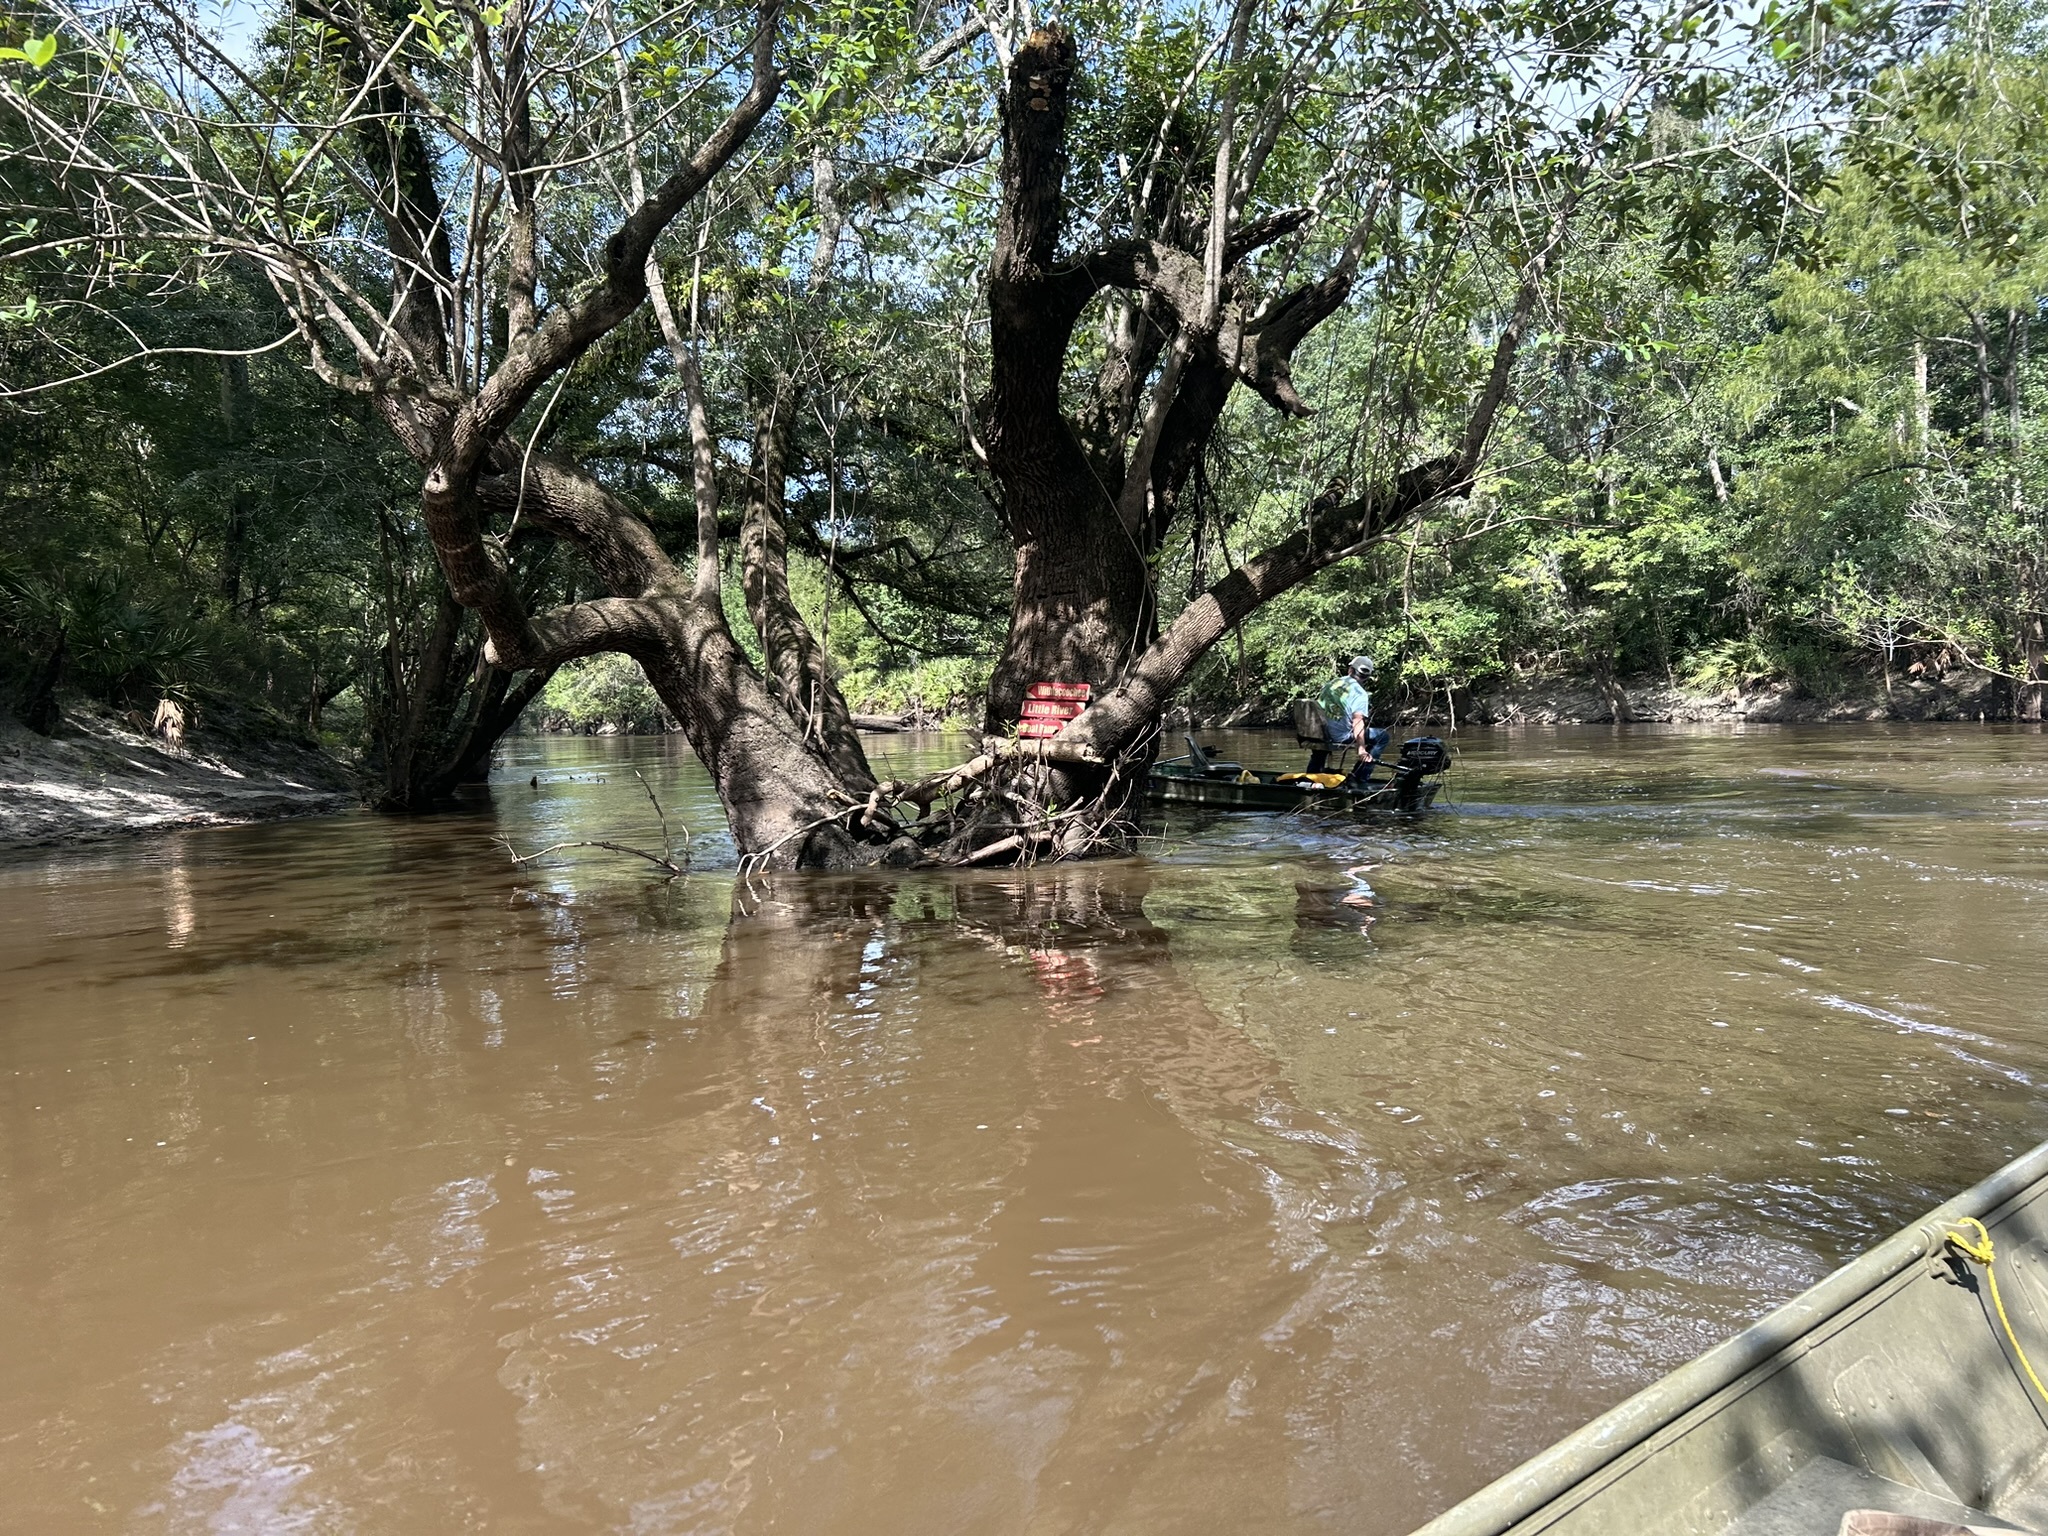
(1198, 778)
(1892, 1394)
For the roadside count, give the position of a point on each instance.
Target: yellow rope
(1983, 1252)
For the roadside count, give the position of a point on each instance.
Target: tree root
(991, 809)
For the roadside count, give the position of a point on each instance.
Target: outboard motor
(1422, 758)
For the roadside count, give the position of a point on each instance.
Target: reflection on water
(1298, 1176)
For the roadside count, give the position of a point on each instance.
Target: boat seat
(1311, 728)
(1814, 1499)
(1207, 765)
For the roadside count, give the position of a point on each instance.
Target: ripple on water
(1304, 1173)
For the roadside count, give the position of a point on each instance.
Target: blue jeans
(1376, 737)
(1340, 736)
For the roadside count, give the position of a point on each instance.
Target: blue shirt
(1342, 698)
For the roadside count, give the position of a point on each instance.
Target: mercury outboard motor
(1422, 758)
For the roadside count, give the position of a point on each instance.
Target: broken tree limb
(521, 860)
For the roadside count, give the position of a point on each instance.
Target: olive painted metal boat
(1900, 1384)
(1199, 779)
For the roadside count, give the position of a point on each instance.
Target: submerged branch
(520, 860)
(665, 861)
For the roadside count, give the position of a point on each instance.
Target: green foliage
(121, 645)
(1783, 459)
(597, 692)
(195, 523)
(1722, 465)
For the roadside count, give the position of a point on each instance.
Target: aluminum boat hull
(1891, 1385)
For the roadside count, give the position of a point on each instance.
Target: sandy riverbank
(99, 777)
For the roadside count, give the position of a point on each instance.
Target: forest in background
(1805, 452)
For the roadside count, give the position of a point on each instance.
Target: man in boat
(1346, 703)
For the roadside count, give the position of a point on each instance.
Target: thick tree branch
(1260, 351)
(795, 663)
(560, 500)
(1132, 708)
(1260, 233)
(947, 46)
(579, 629)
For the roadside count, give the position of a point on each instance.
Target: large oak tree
(464, 212)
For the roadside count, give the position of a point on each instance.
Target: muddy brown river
(1297, 1177)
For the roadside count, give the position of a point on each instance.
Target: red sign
(1048, 707)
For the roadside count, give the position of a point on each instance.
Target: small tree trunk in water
(797, 665)
(2033, 692)
(2034, 648)
(496, 703)
(410, 723)
(439, 714)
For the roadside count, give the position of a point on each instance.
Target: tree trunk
(39, 709)
(2030, 695)
(413, 712)
(797, 666)
(1981, 348)
(234, 418)
(1081, 605)
(788, 806)
(1921, 414)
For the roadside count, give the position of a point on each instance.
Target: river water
(1296, 1177)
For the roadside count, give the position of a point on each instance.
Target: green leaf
(39, 51)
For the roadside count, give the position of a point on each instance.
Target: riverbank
(100, 777)
(1856, 699)
(1971, 696)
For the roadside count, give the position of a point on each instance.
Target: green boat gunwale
(1553, 1483)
